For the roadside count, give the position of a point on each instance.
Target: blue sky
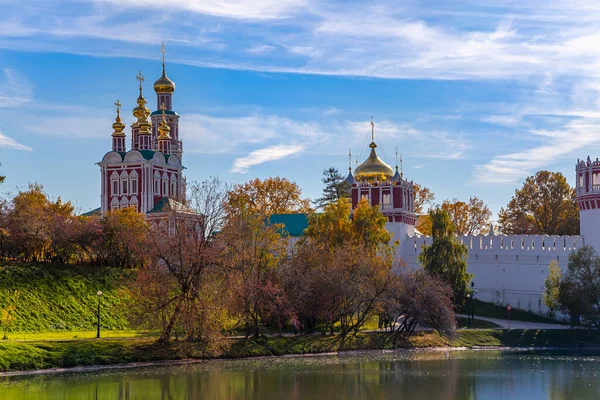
(475, 96)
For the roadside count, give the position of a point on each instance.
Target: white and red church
(149, 175)
(507, 269)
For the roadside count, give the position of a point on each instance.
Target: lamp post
(468, 312)
(99, 294)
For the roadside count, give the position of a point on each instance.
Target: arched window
(156, 183)
(133, 182)
(114, 184)
(114, 204)
(173, 186)
(124, 183)
(165, 179)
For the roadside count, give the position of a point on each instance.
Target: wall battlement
(507, 269)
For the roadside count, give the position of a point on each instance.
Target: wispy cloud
(209, 134)
(271, 153)
(375, 39)
(15, 89)
(10, 143)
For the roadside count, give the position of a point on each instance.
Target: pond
(414, 375)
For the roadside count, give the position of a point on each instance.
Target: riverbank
(21, 356)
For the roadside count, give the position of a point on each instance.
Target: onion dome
(373, 168)
(118, 126)
(164, 84)
(141, 112)
(164, 129)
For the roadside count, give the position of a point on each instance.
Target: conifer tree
(335, 188)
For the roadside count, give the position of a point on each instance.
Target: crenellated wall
(506, 269)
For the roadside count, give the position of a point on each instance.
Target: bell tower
(587, 186)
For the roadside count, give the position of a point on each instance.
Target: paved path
(519, 324)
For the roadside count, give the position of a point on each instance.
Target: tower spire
(396, 159)
(401, 169)
(118, 137)
(350, 160)
(372, 130)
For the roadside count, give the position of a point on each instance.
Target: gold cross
(372, 130)
(118, 104)
(162, 50)
(140, 78)
(163, 108)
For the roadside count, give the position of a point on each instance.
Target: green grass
(57, 354)
(463, 323)
(490, 310)
(63, 297)
(79, 335)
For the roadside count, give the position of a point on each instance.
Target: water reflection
(416, 375)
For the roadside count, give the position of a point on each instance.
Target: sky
(475, 95)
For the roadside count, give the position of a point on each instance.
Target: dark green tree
(577, 291)
(446, 257)
(335, 188)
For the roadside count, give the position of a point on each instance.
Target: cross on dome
(140, 78)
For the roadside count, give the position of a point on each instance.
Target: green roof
(147, 154)
(94, 213)
(294, 224)
(168, 112)
(167, 204)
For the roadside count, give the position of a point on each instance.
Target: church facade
(148, 174)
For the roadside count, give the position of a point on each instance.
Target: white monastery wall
(507, 269)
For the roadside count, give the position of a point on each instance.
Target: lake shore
(19, 358)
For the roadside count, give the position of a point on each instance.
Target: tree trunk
(165, 337)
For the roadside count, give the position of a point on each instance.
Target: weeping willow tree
(446, 257)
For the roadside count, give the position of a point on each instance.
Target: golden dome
(118, 126)
(164, 84)
(164, 129)
(373, 168)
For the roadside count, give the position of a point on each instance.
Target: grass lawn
(490, 310)
(78, 335)
(463, 323)
(57, 354)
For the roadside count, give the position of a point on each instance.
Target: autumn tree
(446, 257)
(36, 228)
(341, 267)
(424, 199)
(122, 240)
(577, 290)
(182, 290)
(267, 197)
(468, 218)
(416, 298)
(336, 187)
(253, 253)
(544, 205)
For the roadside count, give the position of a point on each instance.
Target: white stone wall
(508, 269)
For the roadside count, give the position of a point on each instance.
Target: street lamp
(99, 294)
(468, 313)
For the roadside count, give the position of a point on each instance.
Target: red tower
(151, 171)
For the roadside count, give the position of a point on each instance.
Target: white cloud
(7, 142)
(210, 134)
(15, 89)
(376, 39)
(510, 121)
(238, 9)
(271, 153)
